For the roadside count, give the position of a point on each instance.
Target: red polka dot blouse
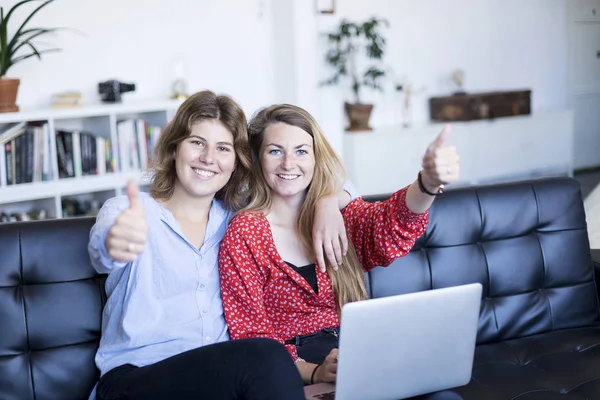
(265, 297)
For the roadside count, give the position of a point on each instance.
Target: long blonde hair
(348, 282)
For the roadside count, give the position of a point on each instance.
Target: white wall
(226, 45)
(266, 51)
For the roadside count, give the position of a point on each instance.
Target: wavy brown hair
(199, 107)
(348, 282)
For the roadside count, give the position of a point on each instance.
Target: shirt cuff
(351, 190)
(404, 213)
(105, 258)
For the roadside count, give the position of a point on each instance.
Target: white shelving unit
(101, 120)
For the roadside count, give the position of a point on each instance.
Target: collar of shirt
(218, 218)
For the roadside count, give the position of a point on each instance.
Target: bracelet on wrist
(312, 376)
(423, 189)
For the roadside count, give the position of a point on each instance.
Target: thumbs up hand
(126, 239)
(441, 163)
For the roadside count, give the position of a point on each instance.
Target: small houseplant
(16, 48)
(347, 43)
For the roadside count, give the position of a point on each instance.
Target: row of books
(81, 153)
(25, 154)
(136, 142)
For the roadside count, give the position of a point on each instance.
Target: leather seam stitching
(25, 315)
(487, 266)
(539, 232)
(489, 279)
(22, 284)
(582, 383)
(537, 237)
(533, 391)
(537, 204)
(50, 348)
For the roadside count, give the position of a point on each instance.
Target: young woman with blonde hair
(270, 284)
(164, 335)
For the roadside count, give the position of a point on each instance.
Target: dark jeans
(315, 347)
(249, 369)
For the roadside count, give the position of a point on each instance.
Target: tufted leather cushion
(51, 302)
(527, 244)
(563, 364)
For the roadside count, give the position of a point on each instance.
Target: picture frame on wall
(325, 6)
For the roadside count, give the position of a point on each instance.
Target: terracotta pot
(359, 115)
(8, 94)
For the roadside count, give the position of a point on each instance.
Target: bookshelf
(66, 157)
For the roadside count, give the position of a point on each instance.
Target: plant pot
(359, 115)
(8, 94)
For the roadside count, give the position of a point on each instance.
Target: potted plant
(15, 49)
(348, 42)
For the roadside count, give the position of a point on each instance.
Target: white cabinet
(52, 196)
(383, 160)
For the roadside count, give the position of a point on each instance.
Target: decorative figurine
(179, 87)
(458, 78)
(409, 92)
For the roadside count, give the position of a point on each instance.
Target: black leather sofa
(526, 243)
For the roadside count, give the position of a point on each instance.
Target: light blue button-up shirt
(166, 302)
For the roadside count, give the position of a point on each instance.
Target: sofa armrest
(596, 265)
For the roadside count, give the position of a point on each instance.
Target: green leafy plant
(347, 43)
(21, 46)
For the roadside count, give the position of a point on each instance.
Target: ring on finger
(130, 247)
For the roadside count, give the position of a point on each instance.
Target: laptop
(403, 346)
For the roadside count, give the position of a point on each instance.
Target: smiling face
(205, 160)
(287, 160)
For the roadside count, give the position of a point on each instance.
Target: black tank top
(308, 272)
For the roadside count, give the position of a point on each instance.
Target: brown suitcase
(468, 107)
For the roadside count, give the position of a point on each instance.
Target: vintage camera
(111, 91)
